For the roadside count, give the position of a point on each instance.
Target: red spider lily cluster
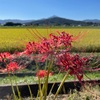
(74, 63)
(53, 46)
(12, 66)
(4, 55)
(43, 73)
(56, 46)
(50, 46)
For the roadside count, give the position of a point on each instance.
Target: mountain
(92, 20)
(54, 20)
(14, 21)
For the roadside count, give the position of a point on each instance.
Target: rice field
(12, 39)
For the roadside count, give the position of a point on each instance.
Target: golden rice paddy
(16, 38)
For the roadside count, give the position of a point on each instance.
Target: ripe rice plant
(12, 39)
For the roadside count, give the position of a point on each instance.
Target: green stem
(12, 87)
(46, 82)
(53, 85)
(17, 88)
(40, 90)
(30, 92)
(52, 88)
(61, 84)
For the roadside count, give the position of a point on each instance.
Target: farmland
(12, 39)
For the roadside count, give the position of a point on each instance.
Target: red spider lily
(31, 47)
(55, 41)
(44, 46)
(5, 55)
(66, 39)
(50, 46)
(12, 66)
(73, 63)
(43, 58)
(43, 73)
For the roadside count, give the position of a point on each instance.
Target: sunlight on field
(18, 37)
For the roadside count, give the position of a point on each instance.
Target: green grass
(33, 79)
(14, 39)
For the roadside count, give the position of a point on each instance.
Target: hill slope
(56, 21)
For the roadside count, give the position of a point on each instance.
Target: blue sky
(37, 9)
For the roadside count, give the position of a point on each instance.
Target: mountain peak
(54, 16)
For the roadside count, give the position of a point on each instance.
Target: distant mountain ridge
(53, 20)
(92, 20)
(14, 21)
